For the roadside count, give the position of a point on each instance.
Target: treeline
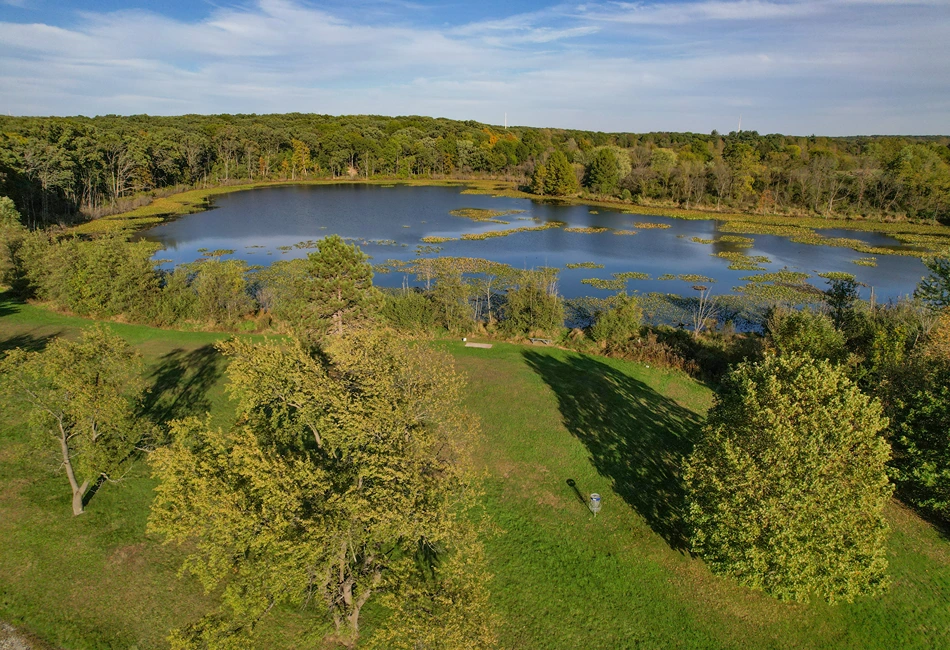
(59, 169)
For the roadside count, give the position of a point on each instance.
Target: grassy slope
(563, 579)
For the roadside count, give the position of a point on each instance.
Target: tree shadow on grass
(28, 342)
(181, 383)
(636, 437)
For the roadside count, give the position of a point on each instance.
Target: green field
(562, 578)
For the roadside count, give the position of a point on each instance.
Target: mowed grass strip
(563, 578)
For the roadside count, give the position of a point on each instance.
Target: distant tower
(506, 121)
(740, 123)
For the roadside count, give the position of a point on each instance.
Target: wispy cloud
(841, 66)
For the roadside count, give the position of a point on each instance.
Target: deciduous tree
(82, 398)
(343, 479)
(787, 485)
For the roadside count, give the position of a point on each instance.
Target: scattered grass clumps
(587, 229)
(601, 283)
(584, 265)
(837, 275)
(784, 276)
(738, 240)
(632, 275)
(483, 214)
(667, 276)
(865, 261)
(432, 239)
(742, 262)
(648, 225)
(625, 232)
(700, 240)
(475, 236)
(694, 277)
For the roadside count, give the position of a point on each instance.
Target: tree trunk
(78, 490)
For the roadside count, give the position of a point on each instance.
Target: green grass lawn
(562, 578)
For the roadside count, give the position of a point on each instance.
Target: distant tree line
(60, 169)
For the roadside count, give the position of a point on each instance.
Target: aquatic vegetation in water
(600, 283)
(700, 240)
(285, 248)
(428, 250)
(738, 240)
(755, 228)
(438, 240)
(865, 261)
(483, 214)
(593, 212)
(510, 231)
(584, 265)
(587, 229)
(625, 232)
(632, 275)
(647, 225)
(693, 277)
(837, 275)
(784, 276)
(743, 262)
(667, 276)
(217, 253)
(788, 287)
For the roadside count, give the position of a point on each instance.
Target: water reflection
(257, 223)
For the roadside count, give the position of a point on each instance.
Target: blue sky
(829, 67)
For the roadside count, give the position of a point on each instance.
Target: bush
(787, 486)
(410, 311)
(805, 332)
(620, 323)
(532, 305)
(918, 403)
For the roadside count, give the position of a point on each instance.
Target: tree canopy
(787, 485)
(344, 478)
(82, 397)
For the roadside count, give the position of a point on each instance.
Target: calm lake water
(256, 223)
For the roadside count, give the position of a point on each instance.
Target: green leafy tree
(603, 172)
(618, 324)
(560, 179)
(935, 288)
(841, 295)
(221, 290)
(787, 485)
(82, 398)
(533, 304)
(539, 180)
(918, 403)
(344, 478)
(340, 287)
(12, 234)
(796, 332)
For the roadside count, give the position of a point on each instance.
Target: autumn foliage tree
(344, 479)
(787, 485)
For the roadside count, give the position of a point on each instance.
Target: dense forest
(67, 169)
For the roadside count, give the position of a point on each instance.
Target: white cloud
(801, 66)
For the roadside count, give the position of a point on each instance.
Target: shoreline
(163, 209)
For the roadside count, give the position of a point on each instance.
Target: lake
(257, 223)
